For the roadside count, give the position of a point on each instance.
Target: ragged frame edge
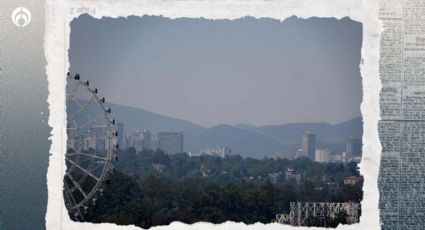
(56, 45)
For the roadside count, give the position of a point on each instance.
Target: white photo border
(59, 14)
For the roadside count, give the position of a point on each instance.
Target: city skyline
(147, 140)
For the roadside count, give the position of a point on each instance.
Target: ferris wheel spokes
(92, 140)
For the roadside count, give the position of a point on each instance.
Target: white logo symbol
(21, 17)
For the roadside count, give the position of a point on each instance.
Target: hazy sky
(255, 71)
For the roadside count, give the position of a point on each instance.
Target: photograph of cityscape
(247, 120)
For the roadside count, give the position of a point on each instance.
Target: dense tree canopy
(152, 188)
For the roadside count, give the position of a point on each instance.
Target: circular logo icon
(21, 17)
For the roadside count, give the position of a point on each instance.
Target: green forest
(151, 188)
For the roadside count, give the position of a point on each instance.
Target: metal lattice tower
(301, 212)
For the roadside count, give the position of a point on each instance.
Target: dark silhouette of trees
(212, 189)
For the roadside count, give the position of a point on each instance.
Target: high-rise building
(146, 140)
(120, 130)
(170, 142)
(322, 155)
(128, 141)
(140, 140)
(309, 144)
(354, 147)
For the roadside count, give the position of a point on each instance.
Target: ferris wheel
(91, 144)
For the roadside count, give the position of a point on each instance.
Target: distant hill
(329, 136)
(289, 133)
(244, 142)
(244, 139)
(135, 119)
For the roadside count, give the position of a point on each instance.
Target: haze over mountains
(244, 139)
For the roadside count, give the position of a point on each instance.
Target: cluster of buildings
(308, 149)
(168, 141)
(96, 137)
(219, 151)
(291, 174)
(325, 155)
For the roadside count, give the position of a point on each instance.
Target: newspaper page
(402, 124)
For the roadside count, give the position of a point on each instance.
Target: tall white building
(309, 144)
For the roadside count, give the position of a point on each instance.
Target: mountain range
(244, 139)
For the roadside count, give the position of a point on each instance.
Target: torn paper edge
(58, 18)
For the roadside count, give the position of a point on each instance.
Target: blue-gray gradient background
(24, 144)
(254, 71)
(141, 48)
